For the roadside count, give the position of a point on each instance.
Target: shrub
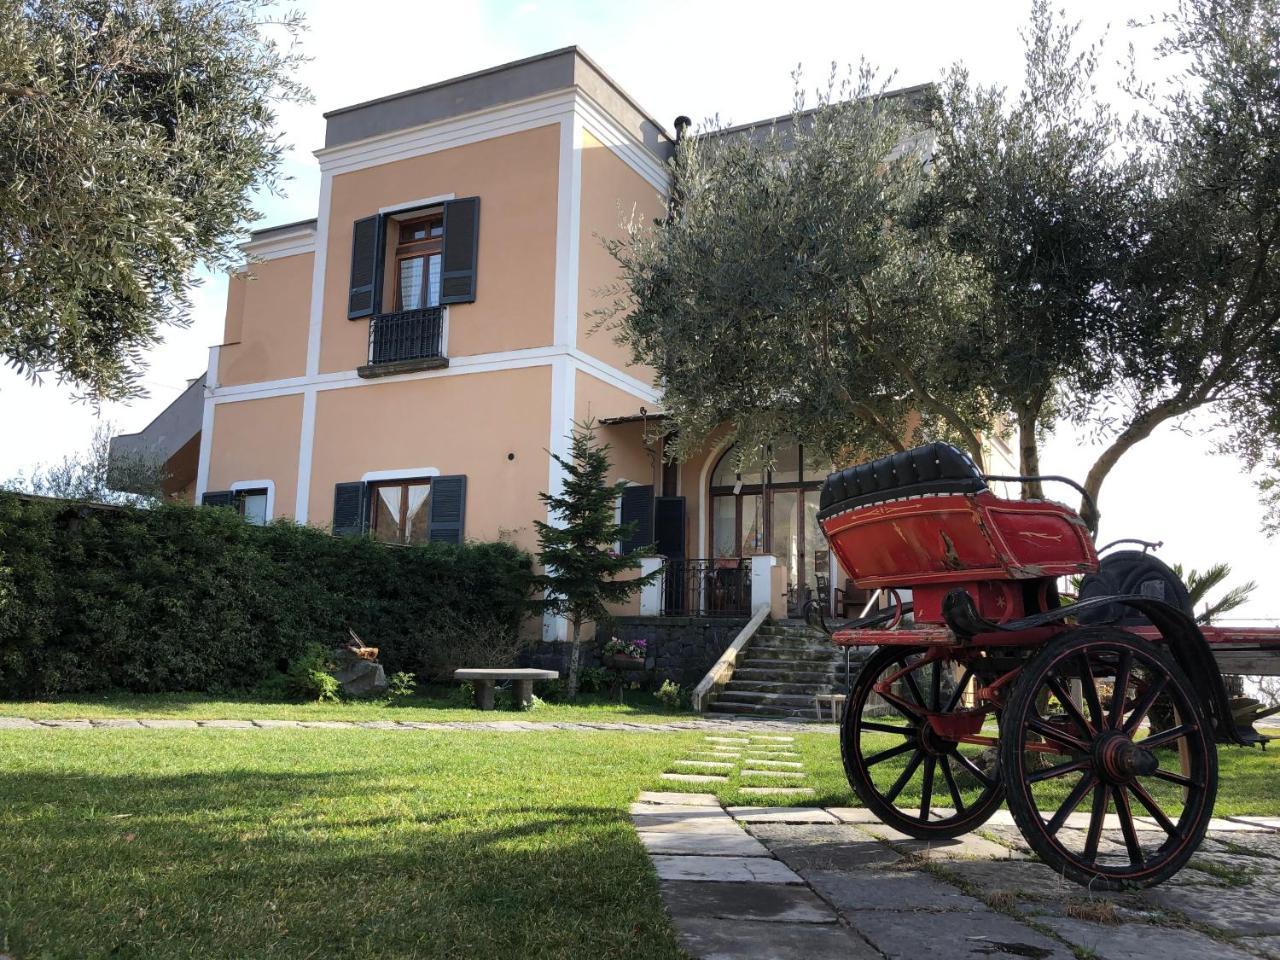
(401, 684)
(184, 599)
(671, 695)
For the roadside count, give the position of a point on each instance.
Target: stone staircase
(780, 670)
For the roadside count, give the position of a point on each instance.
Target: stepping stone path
(763, 764)
(819, 884)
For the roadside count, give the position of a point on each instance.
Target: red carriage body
(987, 656)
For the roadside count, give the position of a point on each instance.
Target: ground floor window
(398, 510)
(252, 505)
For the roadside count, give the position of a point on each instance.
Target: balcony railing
(707, 588)
(407, 335)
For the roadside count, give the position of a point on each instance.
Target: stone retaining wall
(680, 649)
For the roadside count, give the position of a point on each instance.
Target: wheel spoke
(926, 788)
(950, 778)
(887, 728)
(910, 680)
(1140, 710)
(1097, 817)
(935, 691)
(1164, 737)
(975, 771)
(908, 714)
(1121, 690)
(1069, 805)
(1126, 825)
(904, 777)
(958, 692)
(1177, 778)
(1089, 688)
(1050, 732)
(888, 754)
(1072, 708)
(1061, 770)
(1153, 808)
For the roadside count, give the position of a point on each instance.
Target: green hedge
(184, 599)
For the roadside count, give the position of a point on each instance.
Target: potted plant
(624, 654)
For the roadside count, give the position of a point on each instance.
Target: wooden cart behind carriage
(1090, 718)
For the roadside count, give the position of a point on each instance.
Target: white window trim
(412, 205)
(418, 473)
(268, 485)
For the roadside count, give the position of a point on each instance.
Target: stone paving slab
(706, 843)
(824, 846)
(713, 939)
(769, 739)
(724, 869)
(226, 724)
(1244, 911)
(703, 764)
(1269, 947)
(776, 791)
(780, 815)
(888, 889)
(1132, 941)
(745, 901)
(683, 799)
(693, 778)
(774, 774)
(853, 814)
(969, 847)
(170, 724)
(782, 764)
(903, 935)
(18, 723)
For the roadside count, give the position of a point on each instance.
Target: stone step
(774, 663)
(761, 709)
(781, 684)
(777, 699)
(808, 651)
(783, 673)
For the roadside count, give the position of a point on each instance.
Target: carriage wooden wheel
(1080, 756)
(927, 784)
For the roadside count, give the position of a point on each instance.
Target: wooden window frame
(403, 520)
(242, 494)
(425, 247)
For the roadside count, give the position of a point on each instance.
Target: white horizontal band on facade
(445, 134)
(610, 133)
(274, 248)
(416, 204)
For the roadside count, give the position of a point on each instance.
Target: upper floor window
(399, 511)
(252, 505)
(418, 263)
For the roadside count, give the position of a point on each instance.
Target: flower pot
(621, 662)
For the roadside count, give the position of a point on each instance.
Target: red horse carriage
(1085, 714)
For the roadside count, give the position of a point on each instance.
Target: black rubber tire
(864, 786)
(1197, 809)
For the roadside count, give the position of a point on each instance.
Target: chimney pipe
(682, 124)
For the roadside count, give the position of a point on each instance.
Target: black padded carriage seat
(935, 468)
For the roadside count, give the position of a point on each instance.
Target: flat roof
(493, 87)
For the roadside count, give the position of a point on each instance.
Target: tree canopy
(956, 260)
(133, 134)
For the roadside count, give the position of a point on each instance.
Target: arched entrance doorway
(773, 511)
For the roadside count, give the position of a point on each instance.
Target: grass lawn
(437, 705)
(299, 843)
(1248, 780)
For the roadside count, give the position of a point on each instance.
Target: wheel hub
(1119, 760)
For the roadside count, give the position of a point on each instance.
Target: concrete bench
(522, 685)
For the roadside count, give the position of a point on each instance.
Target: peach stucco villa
(402, 363)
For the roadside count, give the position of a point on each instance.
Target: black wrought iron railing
(707, 588)
(407, 335)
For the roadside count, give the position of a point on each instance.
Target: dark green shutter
(218, 498)
(367, 240)
(637, 510)
(447, 509)
(461, 244)
(668, 526)
(350, 509)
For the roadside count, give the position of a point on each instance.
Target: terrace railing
(719, 587)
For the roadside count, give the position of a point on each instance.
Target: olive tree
(794, 290)
(133, 134)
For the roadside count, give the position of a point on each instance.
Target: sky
(734, 61)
